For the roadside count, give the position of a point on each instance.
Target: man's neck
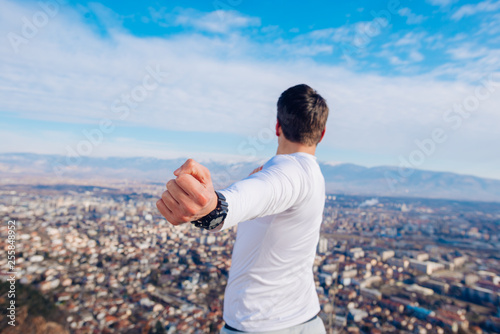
(288, 147)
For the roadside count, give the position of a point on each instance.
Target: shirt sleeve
(274, 189)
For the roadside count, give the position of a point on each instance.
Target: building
(322, 245)
(401, 263)
(356, 253)
(425, 267)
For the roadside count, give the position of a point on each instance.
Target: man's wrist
(214, 202)
(216, 217)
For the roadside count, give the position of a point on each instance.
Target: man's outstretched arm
(266, 191)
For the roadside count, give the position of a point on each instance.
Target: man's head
(302, 115)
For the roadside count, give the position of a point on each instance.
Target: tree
(157, 329)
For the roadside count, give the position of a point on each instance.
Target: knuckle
(176, 215)
(182, 209)
(164, 196)
(170, 183)
(181, 178)
(203, 199)
(190, 210)
(185, 219)
(167, 217)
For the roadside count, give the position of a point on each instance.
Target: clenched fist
(188, 197)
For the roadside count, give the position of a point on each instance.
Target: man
(279, 210)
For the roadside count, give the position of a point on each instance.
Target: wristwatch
(214, 218)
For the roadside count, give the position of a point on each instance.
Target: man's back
(271, 284)
(279, 209)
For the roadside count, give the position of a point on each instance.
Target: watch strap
(216, 217)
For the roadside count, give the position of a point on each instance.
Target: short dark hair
(302, 114)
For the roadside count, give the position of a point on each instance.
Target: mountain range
(343, 178)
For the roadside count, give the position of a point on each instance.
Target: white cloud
(395, 60)
(441, 3)
(416, 56)
(404, 51)
(491, 26)
(219, 21)
(468, 51)
(469, 10)
(334, 34)
(411, 18)
(353, 40)
(355, 34)
(410, 38)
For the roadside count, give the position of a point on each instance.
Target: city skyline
(408, 84)
(104, 259)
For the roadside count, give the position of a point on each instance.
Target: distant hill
(387, 181)
(340, 178)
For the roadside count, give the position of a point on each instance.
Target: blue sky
(409, 83)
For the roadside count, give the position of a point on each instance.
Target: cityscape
(107, 261)
(102, 101)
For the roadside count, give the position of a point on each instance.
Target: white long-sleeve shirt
(279, 211)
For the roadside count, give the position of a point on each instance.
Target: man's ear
(322, 135)
(278, 128)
